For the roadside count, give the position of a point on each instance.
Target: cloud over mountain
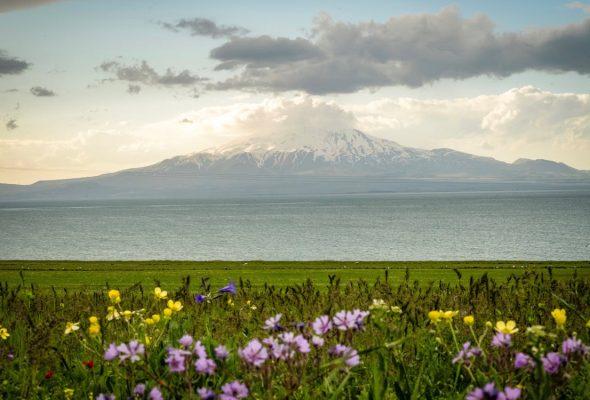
(410, 50)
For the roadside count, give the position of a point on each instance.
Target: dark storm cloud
(411, 50)
(42, 92)
(10, 65)
(10, 5)
(143, 73)
(205, 27)
(11, 124)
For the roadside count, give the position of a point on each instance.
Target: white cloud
(522, 122)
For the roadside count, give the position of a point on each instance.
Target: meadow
(280, 330)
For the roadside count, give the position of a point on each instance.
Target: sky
(90, 87)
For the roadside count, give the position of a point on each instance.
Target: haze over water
(433, 226)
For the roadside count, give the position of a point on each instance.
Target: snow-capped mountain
(347, 161)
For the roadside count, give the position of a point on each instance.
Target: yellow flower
(147, 340)
(469, 320)
(149, 321)
(69, 393)
(127, 314)
(230, 302)
(508, 327)
(71, 327)
(489, 324)
(156, 317)
(93, 320)
(588, 324)
(112, 313)
(160, 294)
(448, 315)
(559, 317)
(115, 296)
(167, 312)
(174, 305)
(4, 333)
(94, 329)
(435, 316)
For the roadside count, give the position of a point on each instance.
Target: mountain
(320, 162)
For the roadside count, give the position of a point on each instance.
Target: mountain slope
(312, 162)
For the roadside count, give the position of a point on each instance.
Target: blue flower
(231, 288)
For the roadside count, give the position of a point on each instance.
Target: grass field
(99, 274)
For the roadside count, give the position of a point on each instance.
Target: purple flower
(111, 353)
(200, 350)
(509, 393)
(155, 394)
(570, 346)
(176, 360)
(350, 355)
(523, 361)
(272, 323)
(466, 354)
(345, 320)
(322, 325)
(199, 298)
(501, 340)
(105, 397)
(221, 352)
(302, 344)
(489, 391)
(139, 389)
(206, 393)
(231, 288)
(205, 366)
(552, 362)
(233, 391)
(359, 317)
(317, 341)
(131, 351)
(186, 341)
(254, 353)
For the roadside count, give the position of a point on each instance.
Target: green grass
(122, 274)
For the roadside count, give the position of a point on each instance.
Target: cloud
(42, 92)
(10, 5)
(143, 73)
(205, 27)
(579, 5)
(11, 124)
(411, 50)
(10, 65)
(133, 89)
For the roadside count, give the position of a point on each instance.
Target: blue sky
(84, 102)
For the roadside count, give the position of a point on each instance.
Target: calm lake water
(526, 226)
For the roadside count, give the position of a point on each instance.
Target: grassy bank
(99, 274)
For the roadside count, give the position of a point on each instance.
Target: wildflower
(508, 327)
(111, 353)
(344, 320)
(559, 317)
(230, 302)
(272, 323)
(252, 306)
(93, 320)
(501, 340)
(231, 288)
(103, 396)
(205, 365)
(71, 327)
(588, 324)
(200, 350)
(254, 353)
(127, 314)
(155, 394)
(466, 354)
(469, 320)
(160, 294)
(174, 305)
(489, 391)
(94, 329)
(115, 296)
(489, 324)
(139, 389)
(112, 313)
(448, 315)
(167, 312)
(186, 341)
(434, 316)
(378, 304)
(199, 298)
(523, 361)
(552, 362)
(571, 346)
(359, 317)
(221, 352)
(206, 393)
(4, 333)
(233, 391)
(350, 355)
(156, 318)
(131, 351)
(176, 360)
(536, 330)
(88, 364)
(68, 393)
(149, 321)
(302, 344)
(317, 341)
(49, 374)
(509, 393)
